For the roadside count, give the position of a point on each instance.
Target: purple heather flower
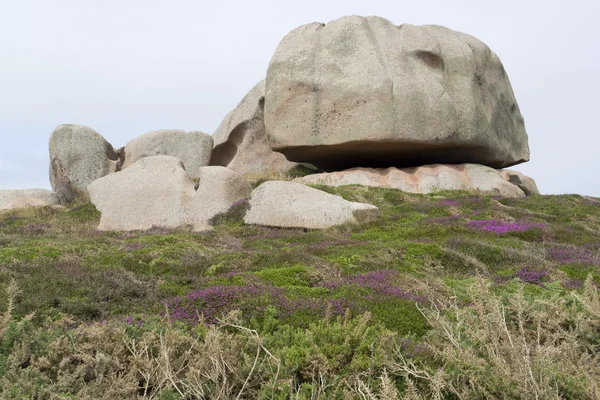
(449, 202)
(214, 301)
(501, 227)
(532, 275)
(573, 284)
(588, 254)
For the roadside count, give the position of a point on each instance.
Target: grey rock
(157, 191)
(218, 189)
(362, 92)
(78, 156)
(154, 192)
(241, 143)
(293, 205)
(424, 179)
(193, 148)
(14, 199)
(525, 183)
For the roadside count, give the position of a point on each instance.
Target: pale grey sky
(126, 67)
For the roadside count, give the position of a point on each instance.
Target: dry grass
(493, 348)
(514, 348)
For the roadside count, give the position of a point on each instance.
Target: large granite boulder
(193, 148)
(362, 92)
(525, 183)
(13, 199)
(293, 205)
(240, 142)
(424, 179)
(158, 192)
(78, 156)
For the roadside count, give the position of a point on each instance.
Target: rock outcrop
(13, 199)
(525, 183)
(424, 179)
(362, 92)
(293, 205)
(218, 189)
(193, 148)
(158, 192)
(241, 143)
(414, 108)
(78, 156)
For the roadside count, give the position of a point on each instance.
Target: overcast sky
(126, 67)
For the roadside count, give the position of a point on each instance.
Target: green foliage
(67, 271)
(286, 277)
(401, 317)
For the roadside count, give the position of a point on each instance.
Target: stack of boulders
(419, 109)
(358, 101)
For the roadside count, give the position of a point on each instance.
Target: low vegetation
(447, 296)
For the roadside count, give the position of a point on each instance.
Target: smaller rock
(293, 205)
(218, 189)
(241, 143)
(153, 192)
(525, 183)
(78, 156)
(14, 199)
(424, 179)
(193, 148)
(158, 192)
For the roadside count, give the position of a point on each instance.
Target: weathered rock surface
(78, 156)
(219, 188)
(425, 179)
(361, 92)
(154, 192)
(293, 205)
(241, 143)
(193, 148)
(525, 183)
(158, 192)
(13, 199)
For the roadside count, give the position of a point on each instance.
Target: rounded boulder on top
(362, 92)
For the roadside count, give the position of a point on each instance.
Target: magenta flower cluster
(588, 254)
(213, 302)
(534, 276)
(380, 282)
(449, 202)
(501, 227)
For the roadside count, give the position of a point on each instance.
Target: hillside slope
(431, 299)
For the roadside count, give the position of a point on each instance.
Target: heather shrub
(268, 312)
(519, 348)
(490, 347)
(157, 360)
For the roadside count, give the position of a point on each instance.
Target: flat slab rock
(157, 192)
(13, 199)
(363, 92)
(293, 205)
(425, 179)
